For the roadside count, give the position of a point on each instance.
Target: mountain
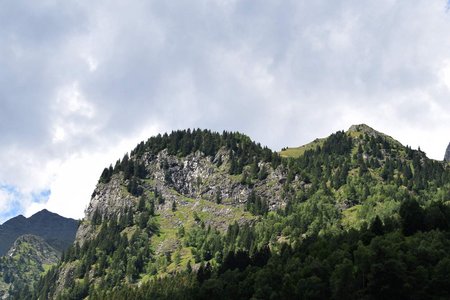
(28, 258)
(447, 154)
(202, 215)
(56, 230)
(29, 246)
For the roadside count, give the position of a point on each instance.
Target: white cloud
(74, 178)
(80, 81)
(444, 74)
(70, 100)
(91, 62)
(5, 200)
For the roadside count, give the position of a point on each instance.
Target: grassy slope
(217, 215)
(298, 151)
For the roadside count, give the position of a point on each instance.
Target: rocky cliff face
(447, 154)
(185, 181)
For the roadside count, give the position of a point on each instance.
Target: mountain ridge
(185, 209)
(55, 229)
(355, 130)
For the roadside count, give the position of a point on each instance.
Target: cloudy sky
(82, 82)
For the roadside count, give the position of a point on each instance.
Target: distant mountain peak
(58, 231)
(363, 128)
(44, 212)
(447, 153)
(360, 126)
(360, 130)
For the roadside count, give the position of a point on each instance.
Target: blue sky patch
(14, 207)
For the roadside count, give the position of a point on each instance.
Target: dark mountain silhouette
(56, 230)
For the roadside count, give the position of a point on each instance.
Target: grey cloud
(282, 72)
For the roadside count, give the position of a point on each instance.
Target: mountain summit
(363, 128)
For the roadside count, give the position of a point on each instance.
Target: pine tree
(174, 206)
(218, 196)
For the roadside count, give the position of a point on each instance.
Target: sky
(82, 82)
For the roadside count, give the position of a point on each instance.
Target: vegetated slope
(56, 230)
(29, 257)
(198, 215)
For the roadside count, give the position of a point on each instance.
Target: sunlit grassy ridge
(299, 151)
